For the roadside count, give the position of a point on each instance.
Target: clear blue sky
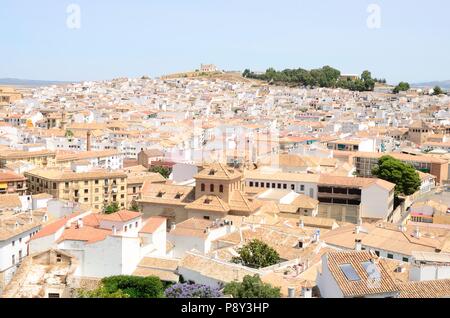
(136, 37)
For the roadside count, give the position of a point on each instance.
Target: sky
(410, 40)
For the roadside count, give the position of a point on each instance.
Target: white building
(104, 245)
(197, 234)
(355, 275)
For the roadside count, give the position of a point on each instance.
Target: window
(405, 259)
(54, 185)
(86, 191)
(302, 187)
(292, 187)
(251, 184)
(267, 185)
(136, 224)
(377, 253)
(202, 187)
(390, 256)
(206, 217)
(86, 182)
(20, 255)
(13, 259)
(284, 186)
(13, 243)
(20, 240)
(221, 188)
(257, 184)
(273, 185)
(53, 295)
(349, 272)
(279, 186)
(96, 182)
(211, 187)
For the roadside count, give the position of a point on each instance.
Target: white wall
(374, 202)
(326, 283)
(429, 272)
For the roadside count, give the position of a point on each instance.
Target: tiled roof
(362, 283)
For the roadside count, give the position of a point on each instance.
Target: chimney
(301, 224)
(291, 292)
(80, 223)
(358, 244)
(88, 140)
(114, 230)
(173, 226)
(357, 229)
(417, 233)
(307, 292)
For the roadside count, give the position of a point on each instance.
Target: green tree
(111, 208)
(251, 287)
(404, 176)
(438, 91)
(135, 286)
(369, 82)
(256, 254)
(164, 171)
(401, 87)
(101, 292)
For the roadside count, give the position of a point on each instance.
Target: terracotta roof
(152, 224)
(425, 289)
(210, 203)
(218, 171)
(52, 228)
(121, 216)
(359, 285)
(192, 227)
(8, 201)
(87, 234)
(9, 176)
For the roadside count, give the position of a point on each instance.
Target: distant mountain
(441, 84)
(28, 83)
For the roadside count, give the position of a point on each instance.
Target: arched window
(211, 188)
(202, 187)
(221, 188)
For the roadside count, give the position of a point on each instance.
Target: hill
(441, 84)
(28, 83)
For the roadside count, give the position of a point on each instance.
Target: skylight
(350, 272)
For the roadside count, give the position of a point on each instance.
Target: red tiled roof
(121, 216)
(52, 228)
(152, 224)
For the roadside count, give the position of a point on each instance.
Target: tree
(101, 292)
(185, 290)
(134, 206)
(112, 208)
(401, 87)
(369, 82)
(132, 286)
(404, 176)
(438, 91)
(256, 254)
(251, 287)
(164, 171)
